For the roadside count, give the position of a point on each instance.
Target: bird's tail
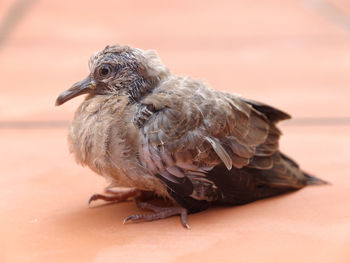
(301, 177)
(313, 180)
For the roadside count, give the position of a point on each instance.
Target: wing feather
(221, 152)
(195, 129)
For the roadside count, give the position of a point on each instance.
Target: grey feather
(221, 152)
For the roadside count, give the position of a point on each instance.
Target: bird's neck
(141, 86)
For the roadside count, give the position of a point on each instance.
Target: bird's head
(119, 70)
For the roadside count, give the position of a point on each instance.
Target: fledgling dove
(154, 132)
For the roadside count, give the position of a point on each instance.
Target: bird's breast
(103, 137)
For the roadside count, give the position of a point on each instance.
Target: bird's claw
(94, 197)
(116, 196)
(159, 213)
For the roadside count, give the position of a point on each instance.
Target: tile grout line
(14, 15)
(330, 12)
(321, 121)
(314, 121)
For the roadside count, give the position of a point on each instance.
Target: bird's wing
(193, 129)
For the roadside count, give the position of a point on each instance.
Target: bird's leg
(119, 196)
(159, 213)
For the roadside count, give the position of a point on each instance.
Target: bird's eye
(104, 71)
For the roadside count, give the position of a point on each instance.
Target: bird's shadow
(109, 216)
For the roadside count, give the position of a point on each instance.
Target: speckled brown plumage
(144, 128)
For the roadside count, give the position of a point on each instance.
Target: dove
(153, 134)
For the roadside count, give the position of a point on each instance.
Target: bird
(156, 135)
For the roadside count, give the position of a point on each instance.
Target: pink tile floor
(292, 54)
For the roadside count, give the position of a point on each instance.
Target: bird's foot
(116, 196)
(159, 213)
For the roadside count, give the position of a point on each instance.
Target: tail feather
(313, 180)
(305, 178)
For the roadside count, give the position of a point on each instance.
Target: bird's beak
(87, 85)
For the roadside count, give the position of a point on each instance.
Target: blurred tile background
(293, 54)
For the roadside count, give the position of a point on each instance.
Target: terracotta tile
(45, 213)
(288, 54)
